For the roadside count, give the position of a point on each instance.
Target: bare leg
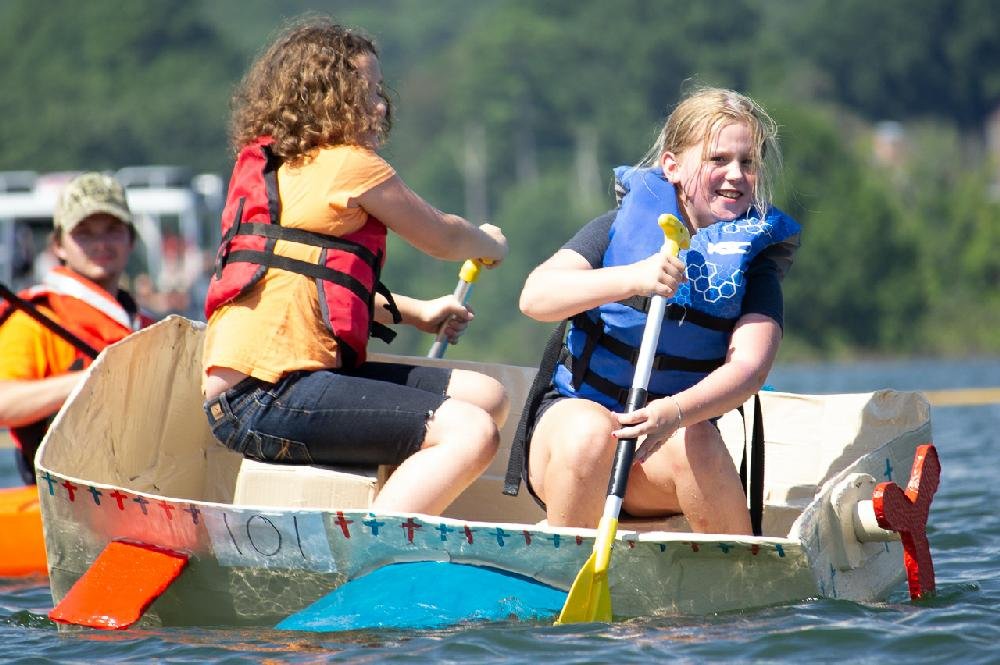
(692, 473)
(483, 391)
(570, 459)
(460, 443)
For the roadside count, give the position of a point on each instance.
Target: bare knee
(495, 400)
(700, 450)
(583, 440)
(483, 391)
(467, 429)
(569, 460)
(706, 448)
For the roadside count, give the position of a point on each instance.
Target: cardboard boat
(130, 469)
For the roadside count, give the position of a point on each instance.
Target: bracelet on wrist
(680, 414)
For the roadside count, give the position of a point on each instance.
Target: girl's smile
(716, 184)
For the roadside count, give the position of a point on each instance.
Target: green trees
(107, 84)
(516, 111)
(898, 59)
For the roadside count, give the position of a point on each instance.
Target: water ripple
(960, 624)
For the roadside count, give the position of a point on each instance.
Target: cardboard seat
(296, 486)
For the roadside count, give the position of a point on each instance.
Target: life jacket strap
(594, 335)
(756, 486)
(29, 308)
(380, 330)
(601, 384)
(661, 361)
(312, 238)
(680, 313)
(271, 260)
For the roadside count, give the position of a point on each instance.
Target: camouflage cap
(90, 194)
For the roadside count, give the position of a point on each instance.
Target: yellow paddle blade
(589, 598)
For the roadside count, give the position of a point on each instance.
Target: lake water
(961, 624)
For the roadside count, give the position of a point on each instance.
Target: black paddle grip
(625, 453)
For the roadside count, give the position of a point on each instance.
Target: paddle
(589, 598)
(467, 276)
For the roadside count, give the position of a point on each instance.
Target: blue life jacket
(603, 343)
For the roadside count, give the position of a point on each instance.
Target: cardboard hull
(155, 482)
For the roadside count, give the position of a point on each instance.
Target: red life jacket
(346, 273)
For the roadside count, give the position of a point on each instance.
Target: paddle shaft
(466, 277)
(20, 303)
(462, 291)
(625, 451)
(589, 598)
(637, 394)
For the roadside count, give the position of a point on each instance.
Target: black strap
(675, 312)
(601, 384)
(20, 303)
(579, 368)
(29, 438)
(757, 469)
(270, 174)
(306, 268)
(350, 356)
(756, 489)
(308, 238)
(541, 384)
(380, 330)
(661, 361)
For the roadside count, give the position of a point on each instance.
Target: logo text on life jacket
(728, 247)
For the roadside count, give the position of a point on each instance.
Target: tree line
(516, 111)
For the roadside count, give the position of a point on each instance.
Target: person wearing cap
(92, 238)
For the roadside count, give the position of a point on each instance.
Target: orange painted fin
(119, 586)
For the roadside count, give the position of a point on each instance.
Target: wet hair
(700, 115)
(306, 92)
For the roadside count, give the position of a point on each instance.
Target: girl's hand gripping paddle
(589, 598)
(467, 276)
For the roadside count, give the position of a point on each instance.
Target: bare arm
(438, 234)
(428, 315)
(752, 349)
(25, 401)
(566, 284)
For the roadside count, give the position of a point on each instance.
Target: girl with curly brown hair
(295, 293)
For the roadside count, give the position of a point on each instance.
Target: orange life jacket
(87, 311)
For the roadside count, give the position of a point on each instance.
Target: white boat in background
(130, 460)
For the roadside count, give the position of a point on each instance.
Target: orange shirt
(277, 327)
(29, 350)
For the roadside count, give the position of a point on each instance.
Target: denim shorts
(375, 414)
